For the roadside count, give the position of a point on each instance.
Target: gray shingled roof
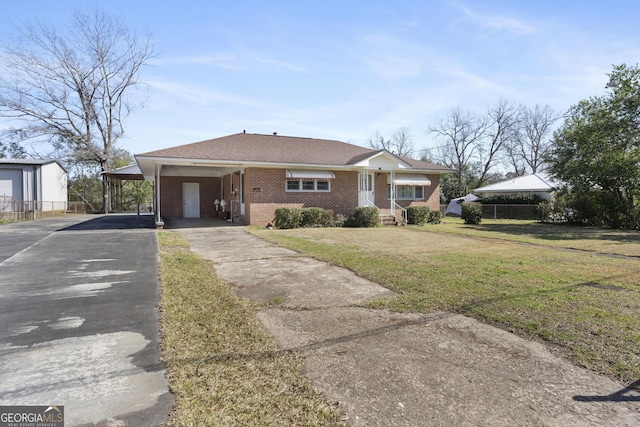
(247, 147)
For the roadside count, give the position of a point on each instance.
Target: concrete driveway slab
(78, 300)
(298, 282)
(390, 369)
(224, 244)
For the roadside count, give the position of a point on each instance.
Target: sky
(345, 69)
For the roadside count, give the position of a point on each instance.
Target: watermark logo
(32, 416)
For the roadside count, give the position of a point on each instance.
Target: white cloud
(226, 61)
(282, 64)
(197, 95)
(390, 57)
(496, 22)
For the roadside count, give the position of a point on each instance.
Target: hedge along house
(245, 177)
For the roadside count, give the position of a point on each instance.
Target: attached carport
(206, 187)
(115, 181)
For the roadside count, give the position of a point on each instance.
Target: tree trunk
(105, 194)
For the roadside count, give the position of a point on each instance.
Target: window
(307, 185)
(293, 185)
(407, 192)
(322, 185)
(419, 192)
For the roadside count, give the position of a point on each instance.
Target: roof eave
(143, 161)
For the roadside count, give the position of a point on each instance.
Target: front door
(191, 200)
(366, 189)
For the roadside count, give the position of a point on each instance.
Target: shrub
(339, 220)
(417, 215)
(364, 217)
(303, 217)
(316, 217)
(544, 209)
(288, 217)
(434, 217)
(471, 212)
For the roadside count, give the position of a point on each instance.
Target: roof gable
(382, 159)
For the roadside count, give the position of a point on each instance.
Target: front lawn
(601, 240)
(586, 304)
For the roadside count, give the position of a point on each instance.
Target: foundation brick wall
(265, 191)
(171, 195)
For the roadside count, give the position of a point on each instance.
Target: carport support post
(159, 223)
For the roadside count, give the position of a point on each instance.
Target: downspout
(242, 191)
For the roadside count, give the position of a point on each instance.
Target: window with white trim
(407, 192)
(308, 185)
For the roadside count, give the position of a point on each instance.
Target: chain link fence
(506, 211)
(18, 210)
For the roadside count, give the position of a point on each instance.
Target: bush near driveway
(304, 217)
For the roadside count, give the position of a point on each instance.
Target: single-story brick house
(245, 177)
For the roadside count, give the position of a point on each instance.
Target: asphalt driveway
(78, 317)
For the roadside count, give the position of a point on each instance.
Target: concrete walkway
(386, 369)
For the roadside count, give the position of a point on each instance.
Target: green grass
(242, 378)
(600, 240)
(587, 304)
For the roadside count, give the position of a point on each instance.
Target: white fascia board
(147, 164)
(399, 163)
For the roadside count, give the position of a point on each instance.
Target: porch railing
(395, 207)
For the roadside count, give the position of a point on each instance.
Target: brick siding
(171, 195)
(431, 193)
(265, 191)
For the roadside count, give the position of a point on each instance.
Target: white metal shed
(32, 184)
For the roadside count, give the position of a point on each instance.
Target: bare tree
(400, 143)
(534, 138)
(77, 86)
(514, 158)
(502, 127)
(461, 133)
